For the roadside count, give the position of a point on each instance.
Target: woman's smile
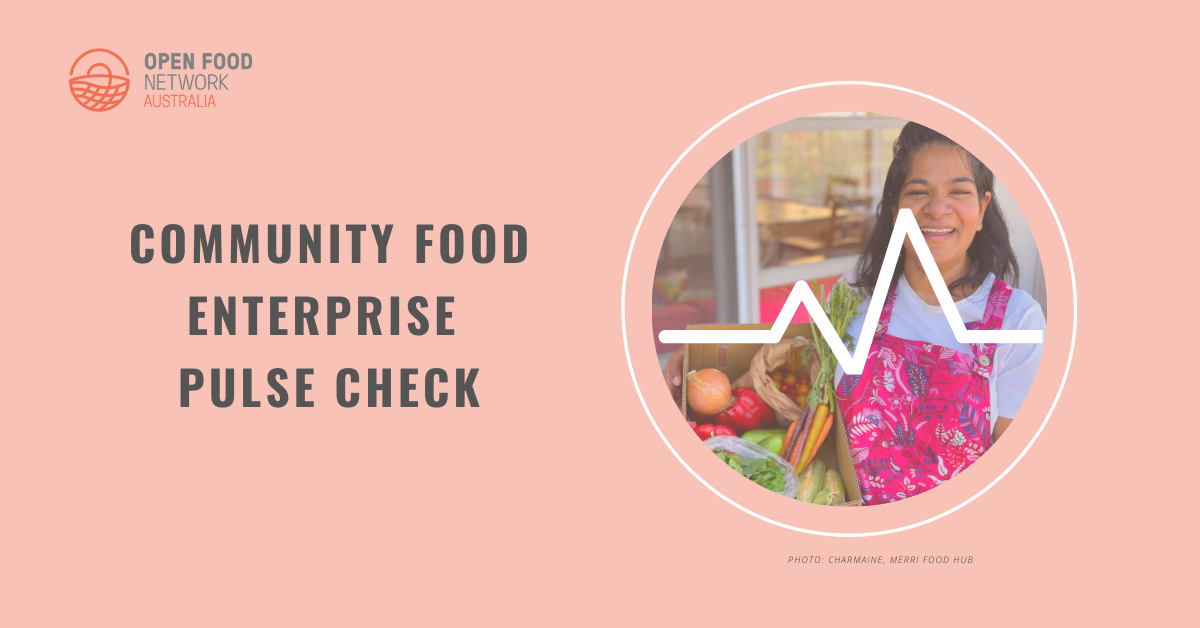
(937, 235)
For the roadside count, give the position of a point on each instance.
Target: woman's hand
(673, 375)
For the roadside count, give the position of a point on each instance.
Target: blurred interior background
(795, 202)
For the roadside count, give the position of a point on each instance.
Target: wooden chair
(849, 213)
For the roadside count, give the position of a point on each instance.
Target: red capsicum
(746, 411)
(706, 432)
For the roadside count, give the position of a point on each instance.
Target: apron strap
(886, 316)
(993, 318)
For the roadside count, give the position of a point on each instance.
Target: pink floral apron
(919, 414)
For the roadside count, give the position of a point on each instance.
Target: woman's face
(940, 190)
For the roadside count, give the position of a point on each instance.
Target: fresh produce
(746, 411)
(782, 460)
(796, 436)
(841, 306)
(812, 481)
(756, 436)
(785, 364)
(764, 472)
(824, 432)
(819, 422)
(759, 465)
(773, 444)
(706, 432)
(834, 492)
(757, 456)
(771, 440)
(708, 391)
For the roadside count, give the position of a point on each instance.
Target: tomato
(804, 381)
(776, 376)
(803, 389)
(786, 388)
(789, 379)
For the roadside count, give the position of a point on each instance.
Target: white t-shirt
(1014, 365)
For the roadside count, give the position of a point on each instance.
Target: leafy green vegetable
(764, 472)
(841, 306)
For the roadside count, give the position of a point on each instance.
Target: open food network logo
(97, 86)
(99, 89)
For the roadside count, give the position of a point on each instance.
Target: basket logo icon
(99, 89)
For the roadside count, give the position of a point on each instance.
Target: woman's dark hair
(990, 251)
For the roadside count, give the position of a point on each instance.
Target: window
(685, 265)
(818, 182)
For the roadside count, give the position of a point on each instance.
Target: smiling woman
(951, 194)
(927, 406)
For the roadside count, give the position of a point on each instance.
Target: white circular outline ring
(1066, 247)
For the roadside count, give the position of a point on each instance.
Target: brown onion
(708, 391)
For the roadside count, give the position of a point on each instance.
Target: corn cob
(811, 481)
(834, 492)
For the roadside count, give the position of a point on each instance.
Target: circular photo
(848, 309)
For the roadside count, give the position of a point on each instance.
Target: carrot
(819, 420)
(795, 457)
(821, 438)
(790, 438)
(787, 439)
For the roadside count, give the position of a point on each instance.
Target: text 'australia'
(179, 100)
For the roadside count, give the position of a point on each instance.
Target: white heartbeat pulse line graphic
(906, 224)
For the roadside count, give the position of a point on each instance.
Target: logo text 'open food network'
(906, 224)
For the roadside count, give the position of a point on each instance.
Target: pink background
(556, 501)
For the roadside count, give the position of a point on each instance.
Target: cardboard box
(734, 360)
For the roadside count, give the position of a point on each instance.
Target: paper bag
(786, 353)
